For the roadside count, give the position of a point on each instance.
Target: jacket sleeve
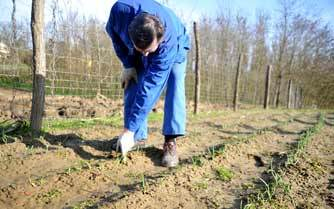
(154, 81)
(119, 18)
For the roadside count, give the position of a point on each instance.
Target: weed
(143, 183)
(246, 186)
(133, 175)
(224, 174)
(201, 185)
(268, 194)
(50, 125)
(10, 129)
(270, 190)
(30, 150)
(318, 167)
(83, 205)
(197, 161)
(71, 170)
(155, 117)
(304, 139)
(216, 151)
(62, 154)
(81, 165)
(85, 165)
(40, 181)
(49, 196)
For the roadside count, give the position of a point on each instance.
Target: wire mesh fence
(82, 65)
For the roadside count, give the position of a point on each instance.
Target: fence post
(236, 89)
(39, 66)
(197, 70)
(300, 100)
(289, 94)
(267, 90)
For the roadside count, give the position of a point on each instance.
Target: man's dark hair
(144, 28)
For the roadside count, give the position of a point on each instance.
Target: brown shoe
(170, 157)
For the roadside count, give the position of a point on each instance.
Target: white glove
(127, 75)
(125, 142)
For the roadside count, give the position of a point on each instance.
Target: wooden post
(296, 98)
(39, 69)
(236, 89)
(300, 98)
(197, 70)
(289, 94)
(267, 90)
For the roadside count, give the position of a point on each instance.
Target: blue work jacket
(157, 65)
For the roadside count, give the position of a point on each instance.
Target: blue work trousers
(174, 108)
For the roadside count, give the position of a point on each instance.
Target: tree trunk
(39, 70)
(14, 30)
(236, 89)
(267, 88)
(197, 69)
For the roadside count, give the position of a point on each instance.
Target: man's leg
(175, 102)
(174, 113)
(129, 97)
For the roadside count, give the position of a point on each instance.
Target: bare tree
(259, 58)
(286, 13)
(54, 8)
(14, 29)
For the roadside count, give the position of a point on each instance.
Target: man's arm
(119, 18)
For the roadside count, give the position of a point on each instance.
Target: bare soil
(75, 168)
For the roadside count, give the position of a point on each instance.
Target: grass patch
(10, 129)
(79, 166)
(115, 121)
(16, 83)
(224, 174)
(277, 185)
(49, 196)
(83, 205)
(215, 151)
(269, 192)
(201, 185)
(197, 161)
(303, 140)
(155, 117)
(63, 124)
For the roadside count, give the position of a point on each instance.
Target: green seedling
(143, 183)
(85, 165)
(201, 185)
(37, 182)
(30, 150)
(71, 170)
(304, 139)
(81, 165)
(49, 196)
(197, 161)
(216, 151)
(84, 204)
(4, 137)
(247, 186)
(224, 174)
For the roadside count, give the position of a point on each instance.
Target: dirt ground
(74, 168)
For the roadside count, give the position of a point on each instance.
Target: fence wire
(82, 65)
